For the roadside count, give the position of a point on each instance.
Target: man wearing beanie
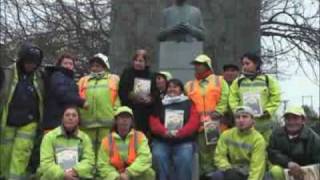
(21, 107)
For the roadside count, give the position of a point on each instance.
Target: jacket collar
(62, 132)
(303, 133)
(117, 136)
(258, 77)
(247, 132)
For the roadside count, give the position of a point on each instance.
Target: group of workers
(145, 125)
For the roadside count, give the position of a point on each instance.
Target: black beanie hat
(30, 53)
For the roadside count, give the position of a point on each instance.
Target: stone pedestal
(232, 28)
(175, 57)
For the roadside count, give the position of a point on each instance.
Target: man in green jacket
(293, 146)
(21, 107)
(259, 91)
(240, 153)
(66, 152)
(125, 154)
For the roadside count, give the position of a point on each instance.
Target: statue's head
(179, 2)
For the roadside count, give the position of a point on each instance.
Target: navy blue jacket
(61, 91)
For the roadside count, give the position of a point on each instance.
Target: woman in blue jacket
(61, 91)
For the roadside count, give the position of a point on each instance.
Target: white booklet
(211, 131)
(310, 172)
(174, 119)
(67, 158)
(253, 100)
(142, 86)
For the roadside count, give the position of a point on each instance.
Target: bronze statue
(181, 22)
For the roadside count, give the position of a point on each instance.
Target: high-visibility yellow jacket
(140, 164)
(265, 85)
(102, 97)
(56, 141)
(245, 151)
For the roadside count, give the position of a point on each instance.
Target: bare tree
(79, 26)
(291, 33)
(290, 30)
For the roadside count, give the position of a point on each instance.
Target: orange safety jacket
(114, 154)
(205, 102)
(113, 81)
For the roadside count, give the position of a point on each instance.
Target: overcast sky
(299, 85)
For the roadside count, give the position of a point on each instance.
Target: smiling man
(293, 145)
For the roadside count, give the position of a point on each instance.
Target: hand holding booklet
(174, 119)
(211, 131)
(142, 86)
(310, 172)
(253, 100)
(67, 157)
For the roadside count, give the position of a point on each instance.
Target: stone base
(176, 57)
(182, 74)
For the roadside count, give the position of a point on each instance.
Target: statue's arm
(164, 31)
(163, 34)
(198, 31)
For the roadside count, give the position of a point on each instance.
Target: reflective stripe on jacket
(9, 84)
(245, 151)
(205, 101)
(270, 94)
(57, 139)
(210, 97)
(114, 152)
(102, 98)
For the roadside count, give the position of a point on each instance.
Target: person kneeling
(293, 146)
(241, 151)
(66, 152)
(124, 154)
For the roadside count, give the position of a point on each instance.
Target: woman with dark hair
(160, 80)
(124, 153)
(173, 125)
(135, 89)
(259, 91)
(66, 152)
(61, 91)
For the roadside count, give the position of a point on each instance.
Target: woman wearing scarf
(174, 124)
(261, 92)
(135, 89)
(100, 89)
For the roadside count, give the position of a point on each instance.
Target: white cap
(104, 58)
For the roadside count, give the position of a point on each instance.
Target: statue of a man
(181, 22)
